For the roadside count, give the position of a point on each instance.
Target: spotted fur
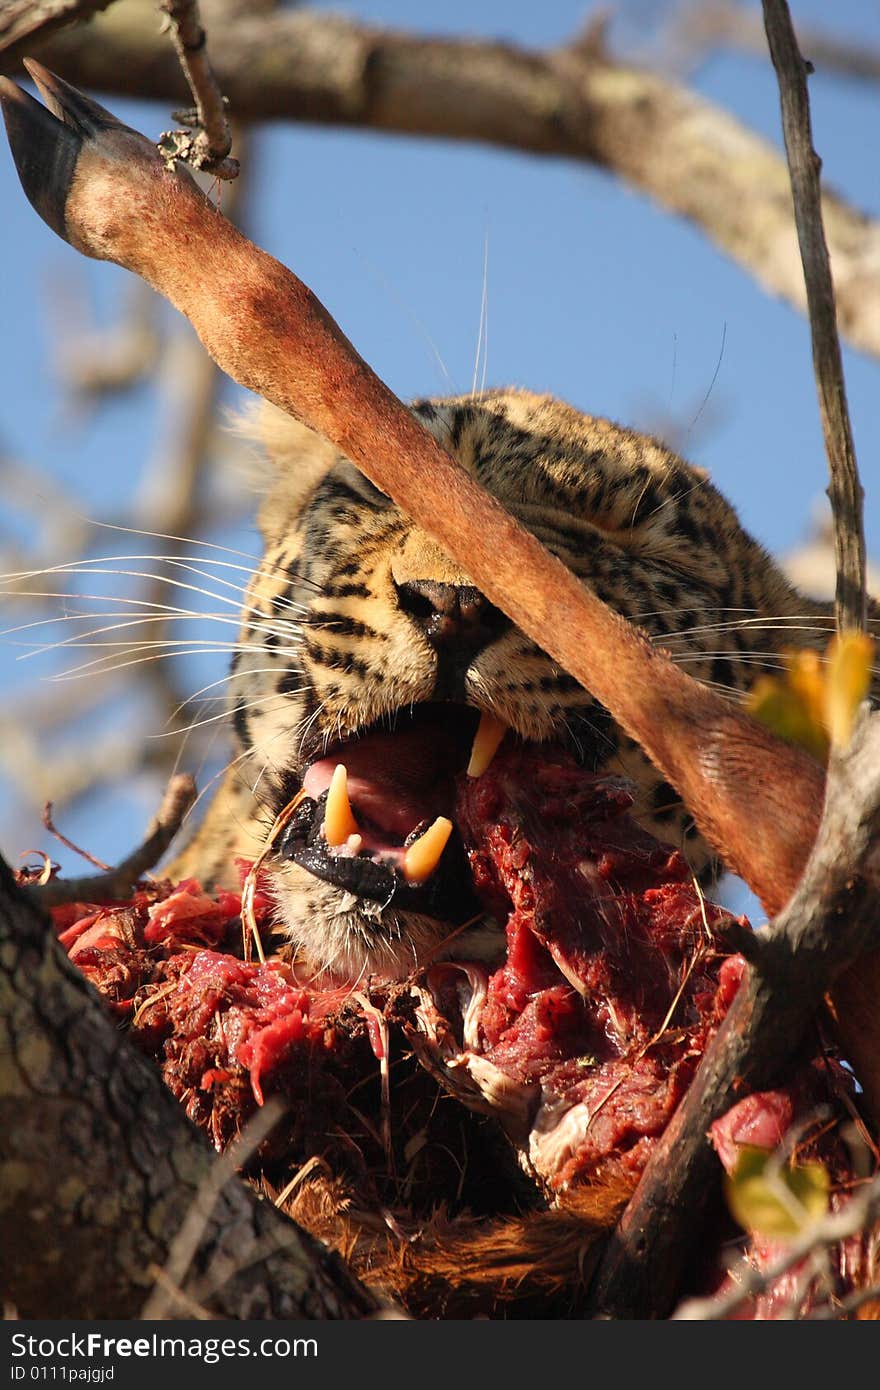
(328, 647)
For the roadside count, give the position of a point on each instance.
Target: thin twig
(208, 140)
(118, 883)
(844, 489)
(83, 853)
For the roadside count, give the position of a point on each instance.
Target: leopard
(363, 643)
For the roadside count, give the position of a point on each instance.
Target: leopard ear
(288, 459)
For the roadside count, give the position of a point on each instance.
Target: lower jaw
(447, 896)
(349, 938)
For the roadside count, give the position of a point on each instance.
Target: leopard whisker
(78, 639)
(262, 562)
(224, 714)
(104, 665)
(483, 331)
(75, 596)
(795, 625)
(226, 679)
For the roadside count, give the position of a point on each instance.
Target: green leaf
(773, 1199)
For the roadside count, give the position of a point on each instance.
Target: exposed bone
(487, 741)
(339, 821)
(423, 855)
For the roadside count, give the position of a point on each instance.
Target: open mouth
(376, 818)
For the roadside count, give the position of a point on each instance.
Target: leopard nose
(454, 617)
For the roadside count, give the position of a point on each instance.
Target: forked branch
(117, 883)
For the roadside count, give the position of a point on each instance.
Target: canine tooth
(339, 822)
(489, 734)
(423, 855)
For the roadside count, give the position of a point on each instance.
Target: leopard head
(365, 645)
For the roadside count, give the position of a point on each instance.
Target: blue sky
(591, 293)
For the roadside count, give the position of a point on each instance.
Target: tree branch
(845, 490)
(578, 103)
(700, 26)
(208, 147)
(24, 22)
(99, 1167)
(118, 883)
(829, 923)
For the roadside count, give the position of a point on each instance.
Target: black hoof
(46, 141)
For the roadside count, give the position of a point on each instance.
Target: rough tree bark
(99, 1168)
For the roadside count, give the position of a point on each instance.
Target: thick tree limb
(23, 22)
(99, 1168)
(577, 103)
(845, 490)
(827, 925)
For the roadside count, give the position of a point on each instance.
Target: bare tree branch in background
(93, 363)
(22, 22)
(576, 102)
(698, 28)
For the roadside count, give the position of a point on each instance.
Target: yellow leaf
(814, 703)
(788, 705)
(847, 681)
(773, 1199)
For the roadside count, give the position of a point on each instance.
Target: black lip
(448, 895)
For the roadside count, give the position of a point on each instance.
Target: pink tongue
(394, 780)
